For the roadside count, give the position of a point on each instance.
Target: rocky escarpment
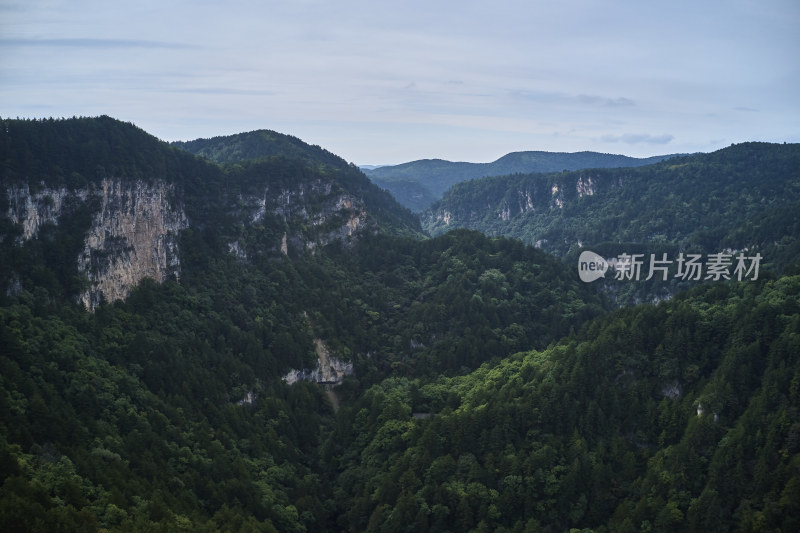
(133, 233)
(135, 225)
(505, 198)
(308, 214)
(318, 212)
(32, 210)
(133, 236)
(329, 369)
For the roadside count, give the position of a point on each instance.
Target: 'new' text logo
(591, 266)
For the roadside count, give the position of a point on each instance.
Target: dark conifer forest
(488, 387)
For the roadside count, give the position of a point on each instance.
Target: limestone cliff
(309, 214)
(33, 209)
(94, 206)
(133, 234)
(318, 212)
(512, 198)
(135, 225)
(329, 369)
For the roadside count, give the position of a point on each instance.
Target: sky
(380, 82)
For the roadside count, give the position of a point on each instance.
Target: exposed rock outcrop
(585, 186)
(329, 369)
(133, 234)
(312, 214)
(32, 210)
(512, 197)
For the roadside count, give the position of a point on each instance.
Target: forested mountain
(419, 183)
(252, 152)
(260, 144)
(676, 417)
(488, 388)
(745, 197)
(113, 199)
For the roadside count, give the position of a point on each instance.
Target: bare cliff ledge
(312, 214)
(135, 226)
(133, 233)
(329, 369)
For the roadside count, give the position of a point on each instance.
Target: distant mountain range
(418, 184)
(744, 197)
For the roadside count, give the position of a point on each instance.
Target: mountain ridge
(743, 197)
(434, 176)
(125, 197)
(257, 144)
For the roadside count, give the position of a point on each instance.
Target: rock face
(32, 210)
(133, 234)
(520, 197)
(329, 369)
(135, 226)
(327, 212)
(311, 214)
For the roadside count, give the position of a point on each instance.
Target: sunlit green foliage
(682, 416)
(158, 410)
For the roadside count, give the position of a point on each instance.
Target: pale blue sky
(387, 82)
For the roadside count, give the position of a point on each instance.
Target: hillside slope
(167, 408)
(101, 205)
(258, 144)
(243, 153)
(745, 197)
(676, 417)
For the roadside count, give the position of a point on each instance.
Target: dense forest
(742, 198)
(681, 416)
(492, 389)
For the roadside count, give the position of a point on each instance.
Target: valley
(246, 333)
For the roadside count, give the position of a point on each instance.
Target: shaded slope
(244, 154)
(744, 196)
(73, 189)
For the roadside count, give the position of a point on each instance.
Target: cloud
(608, 102)
(440, 79)
(619, 102)
(637, 138)
(570, 99)
(95, 43)
(223, 91)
